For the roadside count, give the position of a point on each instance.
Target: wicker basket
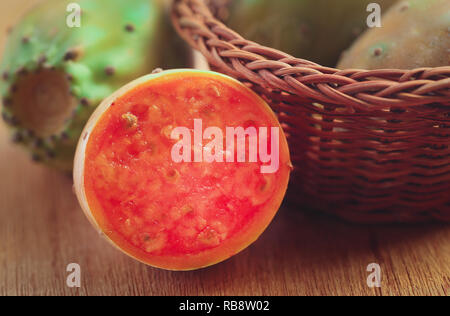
(369, 146)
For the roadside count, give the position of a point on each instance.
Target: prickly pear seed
(130, 120)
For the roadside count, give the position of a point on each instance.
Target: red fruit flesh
(188, 215)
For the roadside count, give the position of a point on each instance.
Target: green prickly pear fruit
(54, 75)
(317, 30)
(414, 34)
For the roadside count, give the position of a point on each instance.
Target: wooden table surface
(42, 230)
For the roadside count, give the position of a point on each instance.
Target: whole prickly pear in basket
(317, 30)
(415, 33)
(54, 73)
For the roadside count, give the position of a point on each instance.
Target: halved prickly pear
(182, 169)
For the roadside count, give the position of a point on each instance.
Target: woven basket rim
(356, 90)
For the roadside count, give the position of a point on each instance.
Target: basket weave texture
(369, 146)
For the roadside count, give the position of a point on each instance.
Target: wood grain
(42, 230)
